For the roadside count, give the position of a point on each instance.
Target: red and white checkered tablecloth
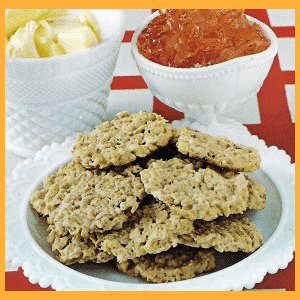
(271, 116)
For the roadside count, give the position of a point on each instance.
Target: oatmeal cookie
(218, 151)
(257, 193)
(235, 233)
(85, 201)
(49, 197)
(153, 230)
(70, 249)
(202, 194)
(122, 140)
(176, 264)
(176, 134)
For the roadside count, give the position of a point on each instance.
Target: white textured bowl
(48, 99)
(208, 90)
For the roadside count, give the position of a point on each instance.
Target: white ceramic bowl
(48, 99)
(208, 90)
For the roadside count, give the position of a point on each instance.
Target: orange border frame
(132, 295)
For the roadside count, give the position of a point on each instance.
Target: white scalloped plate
(26, 232)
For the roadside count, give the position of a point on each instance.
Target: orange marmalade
(193, 38)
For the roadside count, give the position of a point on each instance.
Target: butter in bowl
(59, 65)
(47, 33)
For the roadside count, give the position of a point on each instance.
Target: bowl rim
(239, 62)
(118, 34)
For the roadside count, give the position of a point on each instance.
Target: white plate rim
(275, 254)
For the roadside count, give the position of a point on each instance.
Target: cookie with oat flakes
(232, 234)
(84, 201)
(175, 264)
(153, 230)
(203, 194)
(49, 197)
(219, 151)
(122, 140)
(70, 249)
(257, 193)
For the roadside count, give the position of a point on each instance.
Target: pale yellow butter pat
(77, 39)
(17, 18)
(22, 44)
(55, 32)
(55, 13)
(70, 34)
(87, 18)
(6, 41)
(45, 41)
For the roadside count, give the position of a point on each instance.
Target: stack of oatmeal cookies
(155, 200)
